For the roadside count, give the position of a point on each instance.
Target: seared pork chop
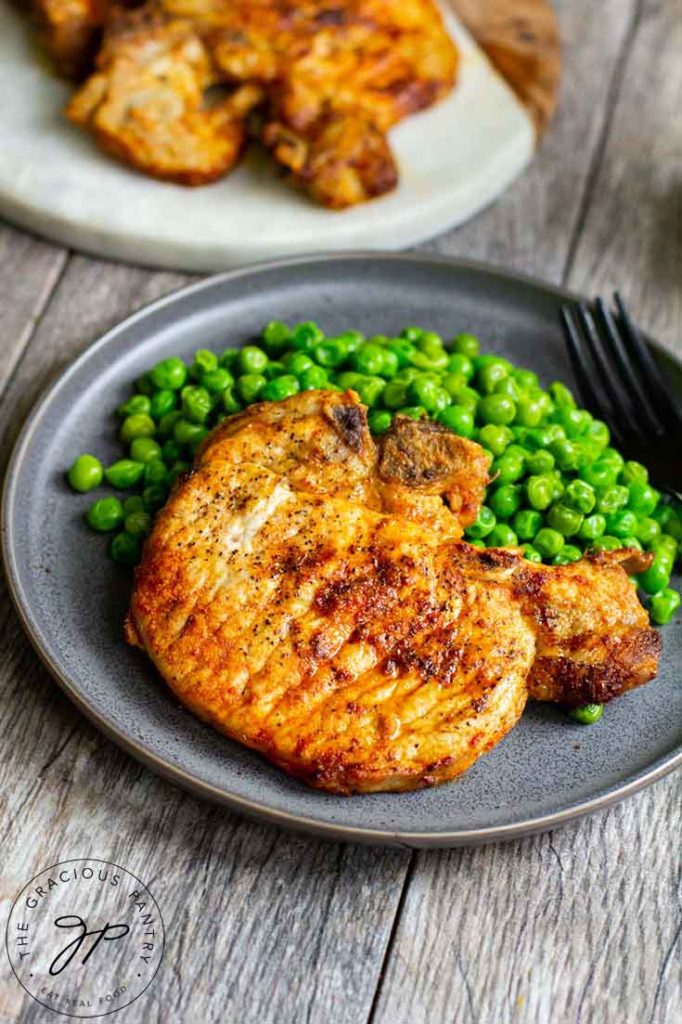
(307, 592)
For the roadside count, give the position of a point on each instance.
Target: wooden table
(577, 925)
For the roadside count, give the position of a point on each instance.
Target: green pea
(276, 336)
(588, 714)
(354, 339)
(458, 419)
(426, 361)
(621, 523)
(144, 449)
(631, 542)
(549, 542)
(124, 474)
(187, 433)
(495, 438)
(368, 359)
(461, 364)
(228, 359)
(249, 386)
(252, 359)
(170, 374)
(607, 543)
(348, 379)
(370, 390)
(154, 497)
(167, 423)
(332, 352)
(489, 376)
(509, 468)
(530, 553)
(474, 542)
(599, 475)
(135, 404)
(580, 496)
(137, 425)
(502, 536)
(138, 523)
(162, 402)
(540, 491)
(204, 362)
(425, 392)
(498, 409)
(411, 334)
(155, 472)
(566, 454)
(642, 498)
(655, 578)
(403, 350)
(394, 394)
(379, 421)
(564, 519)
(196, 404)
(526, 523)
(484, 523)
(569, 553)
(526, 379)
(215, 381)
(105, 515)
(281, 387)
(466, 345)
(306, 336)
(85, 474)
(539, 462)
(539, 437)
(133, 503)
(647, 530)
(453, 383)
(510, 388)
(611, 499)
(561, 396)
(664, 605)
(666, 548)
(598, 433)
(633, 472)
(415, 412)
(297, 363)
(315, 377)
(528, 412)
(144, 384)
(467, 397)
(505, 500)
(431, 343)
(662, 514)
(613, 457)
(125, 549)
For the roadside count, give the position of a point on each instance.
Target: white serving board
(454, 159)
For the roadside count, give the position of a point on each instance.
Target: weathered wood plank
(633, 221)
(29, 270)
(574, 925)
(530, 228)
(582, 924)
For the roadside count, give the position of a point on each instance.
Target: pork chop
(308, 593)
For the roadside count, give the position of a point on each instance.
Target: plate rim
(185, 779)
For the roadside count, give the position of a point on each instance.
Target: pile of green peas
(558, 487)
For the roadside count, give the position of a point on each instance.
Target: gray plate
(72, 599)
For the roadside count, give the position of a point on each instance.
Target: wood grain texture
(581, 925)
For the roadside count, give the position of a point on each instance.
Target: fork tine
(660, 394)
(574, 345)
(622, 361)
(590, 395)
(622, 419)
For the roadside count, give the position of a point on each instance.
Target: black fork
(620, 382)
